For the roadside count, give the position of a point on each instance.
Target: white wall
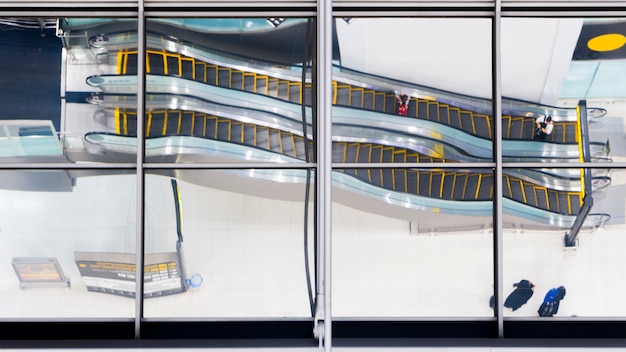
(455, 54)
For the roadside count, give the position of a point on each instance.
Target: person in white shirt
(544, 127)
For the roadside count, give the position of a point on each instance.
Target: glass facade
(450, 171)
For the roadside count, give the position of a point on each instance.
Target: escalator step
(288, 144)
(368, 100)
(390, 103)
(187, 67)
(471, 187)
(173, 65)
(199, 125)
(343, 96)
(506, 187)
(411, 182)
(399, 156)
(379, 102)
(356, 98)
(444, 114)
(433, 111)
(412, 158)
(351, 153)
(173, 123)
(387, 155)
(262, 137)
(211, 127)
(186, 123)
(448, 185)
(482, 126)
(575, 203)
(459, 186)
(412, 110)
(249, 83)
(528, 129)
(516, 191)
(422, 109)
(424, 183)
(436, 184)
(131, 64)
(211, 75)
(455, 118)
(156, 123)
(261, 85)
(542, 201)
(486, 187)
(387, 178)
(376, 176)
(275, 141)
(570, 133)
(236, 79)
(283, 90)
(223, 130)
(467, 123)
(272, 88)
(236, 132)
(553, 201)
(531, 197)
(516, 129)
(364, 153)
(223, 78)
(294, 93)
(201, 72)
(563, 206)
(400, 180)
(339, 150)
(248, 134)
(377, 154)
(558, 134)
(300, 152)
(156, 64)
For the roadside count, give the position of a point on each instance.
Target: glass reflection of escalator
(344, 94)
(440, 184)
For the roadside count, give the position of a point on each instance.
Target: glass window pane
(56, 98)
(431, 95)
(222, 88)
(576, 243)
(418, 245)
(61, 232)
(567, 69)
(242, 241)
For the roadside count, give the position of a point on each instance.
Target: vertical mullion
(497, 155)
(141, 108)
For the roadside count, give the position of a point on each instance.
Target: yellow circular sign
(607, 42)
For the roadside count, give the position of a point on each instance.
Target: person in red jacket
(403, 104)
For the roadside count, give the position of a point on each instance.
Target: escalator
(456, 185)
(286, 84)
(289, 88)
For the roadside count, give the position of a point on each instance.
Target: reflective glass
(576, 243)
(416, 84)
(63, 232)
(226, 88)
(56, 106)
(229, 243)
(417, 244)
(570, 70)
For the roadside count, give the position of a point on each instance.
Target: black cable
(308, 170)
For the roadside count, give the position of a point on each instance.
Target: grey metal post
(497, 155)
(323, 324)
(139, 233)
